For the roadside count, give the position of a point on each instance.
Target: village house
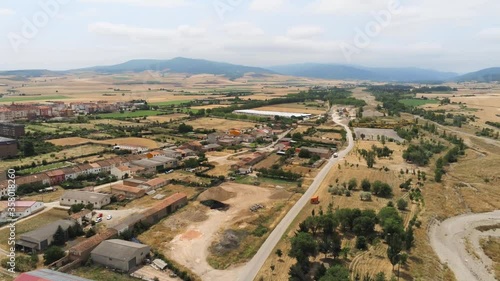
(82, 216)
(21, 209)
(211, 147)
(121, 172)
(56, 176)
(81, 251)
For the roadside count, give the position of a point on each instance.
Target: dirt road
(253, 266)
(456, 242)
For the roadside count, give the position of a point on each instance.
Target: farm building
(129, 222)
(211, 147)
(156, 183)
(82, 250)
(73, 197)
(42, 237)
(22, 209)
(120, 254)
(272, 113)
(165, 208)
(321, 152)
(48, 275)
(166, 161)
(83, 215)
(133, 182)
(128, 192)
(56, 176)
(149, 165)
(8, 147)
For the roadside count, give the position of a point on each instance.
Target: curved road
(453, 238)
(252, 268)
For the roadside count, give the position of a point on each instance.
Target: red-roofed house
(56, 177)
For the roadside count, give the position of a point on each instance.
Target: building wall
(8, 149)
(11, 130)
(126, 265)
(97, 204)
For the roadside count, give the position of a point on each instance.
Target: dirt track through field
(456, 242)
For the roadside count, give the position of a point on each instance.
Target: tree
(366, 185)
(353, 184)
(296, 273)
(191, 163)
(303, 246)
(370, 159)
(402, 204)
(29, 148)
(336, 273)
(304, 153)
(59, 237)
(183, 128)
(279, 253)
(91, 232)
(395, 244)
(361, 243)
(53, 254)
(409, 238)
(380, 277)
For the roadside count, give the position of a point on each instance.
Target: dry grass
(220, 124)
(491, 248)
(295, 107)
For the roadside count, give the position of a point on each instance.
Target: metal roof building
(272, 113)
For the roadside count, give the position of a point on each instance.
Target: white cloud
(242, 29)
(143, 3)
(346, 6)
(266, 5)
(7, 12)
(492, 33)
(304, 31)
(133, 32)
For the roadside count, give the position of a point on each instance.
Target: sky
(447, 35)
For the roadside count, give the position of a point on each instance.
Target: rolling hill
(347, 72)
(179, 65)
(485, 75)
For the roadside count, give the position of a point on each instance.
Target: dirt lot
(120, 141)
(147, 271)
(220, 124)
(190, 247)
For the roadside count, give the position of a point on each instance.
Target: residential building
(157, 183)
(172, 153)
(56, 176)
(120, 254)
(121, 172)
(8, 147)
(167, 162)
(211, 147)
(73, 197)
(42, 237)
(11, 130)
(21, 209)
(133, 182)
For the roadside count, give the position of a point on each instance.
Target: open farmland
(167, 118)
(39, 98)
(151, 144)
(131, 114)
(219, 124)
(312, 108)
(418, 102)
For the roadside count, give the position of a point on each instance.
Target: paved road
(253, 266)
(448, 239)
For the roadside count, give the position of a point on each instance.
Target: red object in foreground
(315, 200)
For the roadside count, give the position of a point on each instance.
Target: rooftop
(165, 203)
(126, 188)
(118, 249)
(6, 140)
(47, 230)
(48, 275)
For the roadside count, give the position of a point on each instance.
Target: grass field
(174, 102)
(32, 98)
(32, 224)
(418, 102)
(131, 114)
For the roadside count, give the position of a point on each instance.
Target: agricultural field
(309, 107)
(51, 157)
(118, 141)
(219, 124)
(39, 98)
(130, 114)
(167, 118)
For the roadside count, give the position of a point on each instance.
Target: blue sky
(449, 35)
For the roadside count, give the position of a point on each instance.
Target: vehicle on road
(336, 155)
(98, 220)
(109, 217)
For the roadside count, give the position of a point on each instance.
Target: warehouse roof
(48, 275)
(118, 249)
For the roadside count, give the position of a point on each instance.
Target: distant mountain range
(310, 70)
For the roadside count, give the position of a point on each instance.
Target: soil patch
(216, 194)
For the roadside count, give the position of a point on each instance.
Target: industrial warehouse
(273, 113)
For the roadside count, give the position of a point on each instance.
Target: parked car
(98, 219)
(109, 217)
(169, 171)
